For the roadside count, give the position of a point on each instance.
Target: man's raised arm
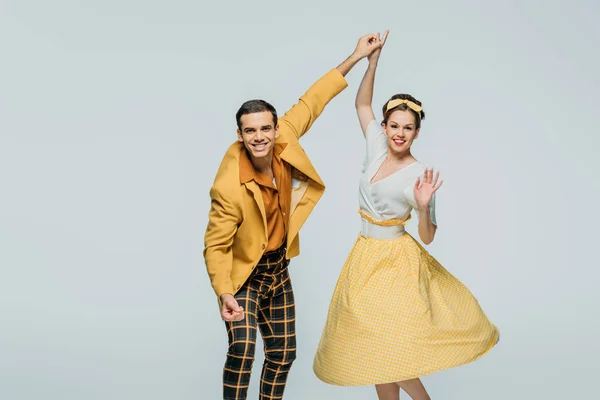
(303, 114)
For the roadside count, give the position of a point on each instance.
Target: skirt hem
(405, 378)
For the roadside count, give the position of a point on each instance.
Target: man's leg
(242, 343)
(277, 323)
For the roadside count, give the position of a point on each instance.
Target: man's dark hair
(255, 106)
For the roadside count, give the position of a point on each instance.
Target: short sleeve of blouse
(376, 143)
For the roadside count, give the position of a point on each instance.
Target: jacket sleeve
(303, 114)
(223, 221)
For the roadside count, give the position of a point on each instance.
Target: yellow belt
(387, 222)
(378, 229)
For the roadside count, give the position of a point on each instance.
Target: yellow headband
(413, 106)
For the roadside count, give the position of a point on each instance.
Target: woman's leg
(415, 389)
(388, 391)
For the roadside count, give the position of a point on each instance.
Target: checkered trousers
(268, 302)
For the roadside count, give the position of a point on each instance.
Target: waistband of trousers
(274, 255)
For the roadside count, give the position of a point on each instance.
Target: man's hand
(365, 47)
(230, 309)
(374, 56)
(368, 44)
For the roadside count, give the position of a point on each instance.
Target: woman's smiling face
(401, 131)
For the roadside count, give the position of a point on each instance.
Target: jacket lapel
(294, 154)
(255, 189)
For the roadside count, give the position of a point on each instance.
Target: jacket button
(264, 246)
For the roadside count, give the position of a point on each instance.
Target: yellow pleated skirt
(397, 314)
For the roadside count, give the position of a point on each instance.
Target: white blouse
(393, 196)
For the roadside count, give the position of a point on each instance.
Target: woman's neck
(400, 158)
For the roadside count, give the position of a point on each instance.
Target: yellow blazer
(236, 235)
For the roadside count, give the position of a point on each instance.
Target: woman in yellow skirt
(435, 323)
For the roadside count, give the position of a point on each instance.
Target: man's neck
(263, 165)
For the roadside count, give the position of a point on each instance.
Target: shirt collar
(247, 171)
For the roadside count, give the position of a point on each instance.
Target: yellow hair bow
(413, 106)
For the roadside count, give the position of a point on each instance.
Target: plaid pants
(268, 302)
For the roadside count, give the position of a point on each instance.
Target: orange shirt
(276, 197)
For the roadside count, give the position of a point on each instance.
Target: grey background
(114, 116)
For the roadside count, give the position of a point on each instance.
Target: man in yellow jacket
(263, 192)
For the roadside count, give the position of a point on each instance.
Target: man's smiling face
(258, 133)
